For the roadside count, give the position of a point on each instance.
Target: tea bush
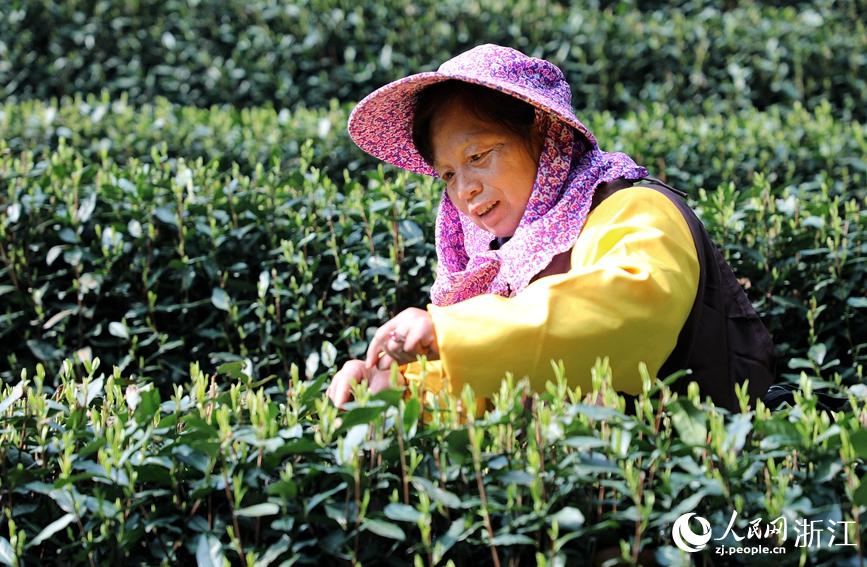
(190, 245)
(616, 56)
(149, 250)
(789, 145)
(103, 469)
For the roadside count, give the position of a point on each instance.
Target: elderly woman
(548, 248)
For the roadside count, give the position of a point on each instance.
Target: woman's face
(489, 171)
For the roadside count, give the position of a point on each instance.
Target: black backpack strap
(648, 181)
(605, 190)
(608, 188)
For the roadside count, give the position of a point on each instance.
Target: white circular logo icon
(685, 538)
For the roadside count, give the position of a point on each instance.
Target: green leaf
(799, 363)
(522, 478)
(683, 505)
(458, 443)
(859, 442)
(410, 417)
(53, 253)
(118, 329)
(285, 489)
(569, 518)
(52, 529)
(313, 391)
(303, 445)
(209, 552)
(402, 512)
(817, 352)
(58, 317)
(220, 299)
(86, 207)
(259, 510)
(198, 428)
(584, 442)
(437, 494)
(166, 214)
(779, 433)
(384, 529)
(233, 369)
(317, 499)
(860, 496)
(72, 256)
(7, 554)
(275, 551)
(43, 350)
(359, 415)
(737, 431)
(329, 354)
(15, 395)
(512, 539)
(595, 412)
(148, 406)
(455, 533)
(94, 390)
(391, 396)
(859, 302)
(354, 438)
(284, 524)
(411, 232)
(689, 423)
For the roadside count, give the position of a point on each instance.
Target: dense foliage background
(179, 200)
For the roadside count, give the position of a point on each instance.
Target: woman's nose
(468, 186)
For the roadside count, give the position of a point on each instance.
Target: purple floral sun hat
(381, 124)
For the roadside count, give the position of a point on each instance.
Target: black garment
(723, 340)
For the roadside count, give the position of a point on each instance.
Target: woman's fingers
(381, 380)
(418, 340)
(384, 362)
(411, 332)
(377, 344)
(394, 348)
(353, 371)
(340, 389)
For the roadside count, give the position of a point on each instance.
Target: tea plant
(103, 468)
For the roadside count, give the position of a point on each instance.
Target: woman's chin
(496, 224)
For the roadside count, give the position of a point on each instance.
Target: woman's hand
(353, 371)
(408, 334)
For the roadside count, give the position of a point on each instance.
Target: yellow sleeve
(431, 378)
(632, 282)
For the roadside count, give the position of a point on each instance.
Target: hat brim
(381, 124)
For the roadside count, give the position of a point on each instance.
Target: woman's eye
(477, 157)
(448, 175)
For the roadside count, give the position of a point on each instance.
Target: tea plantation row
(102, 469)
(138, 244)
(789, 145)
(615, 55)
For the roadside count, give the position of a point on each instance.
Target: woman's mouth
(487, 209)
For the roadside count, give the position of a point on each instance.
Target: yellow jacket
(632, 282)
